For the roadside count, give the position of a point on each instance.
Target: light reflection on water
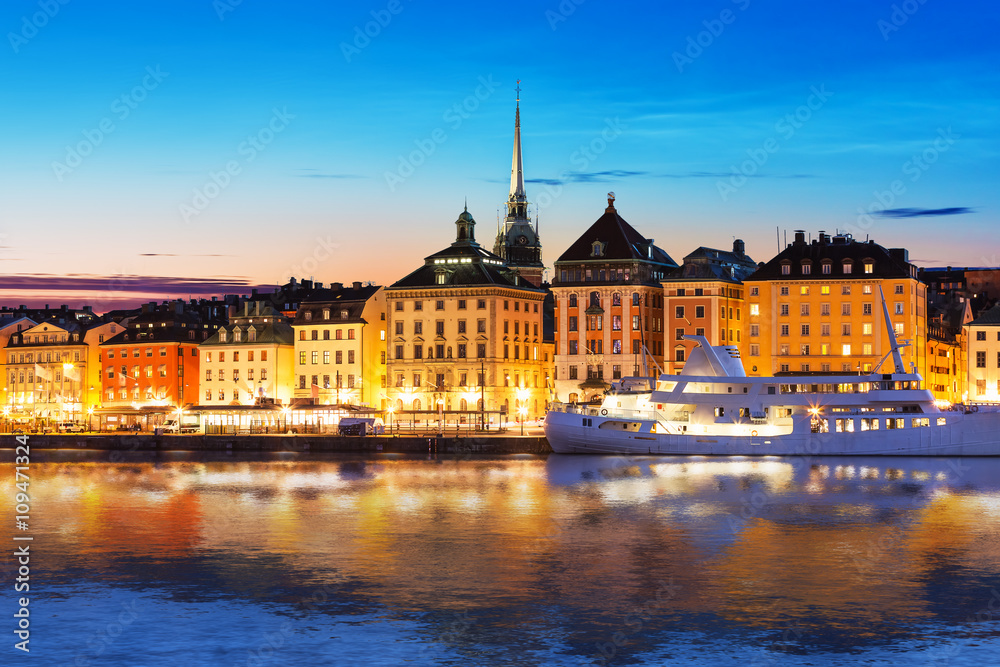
(326, 560)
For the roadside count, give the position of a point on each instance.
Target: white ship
(712, 408)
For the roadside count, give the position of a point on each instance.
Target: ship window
(720, 412)
(941, 421)
(771, 390)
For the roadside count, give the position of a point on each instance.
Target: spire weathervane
(518, 89)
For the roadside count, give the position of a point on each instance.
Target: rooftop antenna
(777, 236)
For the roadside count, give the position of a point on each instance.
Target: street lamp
(390, 410)
(90, 418)
(524, 413)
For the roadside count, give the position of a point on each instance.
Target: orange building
(816, 308)
(608, 307)
(154, 362)
(705, 297)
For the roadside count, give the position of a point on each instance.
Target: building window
(784, 291)
(845, 309)
(981, 359)
(899, 308)
(785, 309)
(754, 329)
(846, 349)
(845, 329)
(481, 351)
(806, 269)
(315, 357)
(754, 309)
(786, 269)
(784, 329)
(805, 329)
(573, 347)
(679, 312)
(980, 335)
(898, 289)
(804, 310)
(755, 350)
(869, 266)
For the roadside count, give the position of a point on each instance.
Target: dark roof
(621, 242)
(989, 318)
(887, 263)
(463, 263)
(351, 299)
(712, 264)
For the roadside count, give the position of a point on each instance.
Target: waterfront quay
(405, 444)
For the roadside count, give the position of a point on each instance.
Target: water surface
(176, 559)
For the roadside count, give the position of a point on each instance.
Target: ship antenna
(897, 359)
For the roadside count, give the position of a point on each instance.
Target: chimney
(253, 292)
(307, 284)
(738, 247)
(336, 287)
(800, 237)
(357, 284)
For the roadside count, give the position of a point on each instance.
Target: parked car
(70, 427)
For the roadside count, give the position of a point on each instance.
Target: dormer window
(786, 269)
(806, 268)
(222, 336)
(251, 335)
(308, 315)
(237, 335)
(869, 266)
(827, 268)
(326, 313)
(597, 249)
(848, 266)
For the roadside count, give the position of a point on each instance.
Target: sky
(198, 147)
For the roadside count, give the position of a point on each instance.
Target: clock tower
(517, 240)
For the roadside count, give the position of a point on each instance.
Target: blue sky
(249, 141)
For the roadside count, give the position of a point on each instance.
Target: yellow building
(816, 308)
(250, 359)
(465, 338)
(47, 374)
(340, 339)
(705, 297)
(983, 334)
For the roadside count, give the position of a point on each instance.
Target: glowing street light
(524, 413)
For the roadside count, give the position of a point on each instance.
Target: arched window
(479, 405)
(595, 299)
(572, 300)
(416, 404)
(463, 405)
(399, 404)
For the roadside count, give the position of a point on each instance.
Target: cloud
(170, 254)
(923, 212)
(606, 176)
(79, 282)
(729, 174)
(318, 174)
(588, 177)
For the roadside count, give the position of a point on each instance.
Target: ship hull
(975, 434)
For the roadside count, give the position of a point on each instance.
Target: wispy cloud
(316, 173)
(171, 254)
(79, 282)
(729, 174)
(923, 212)
(588, 177)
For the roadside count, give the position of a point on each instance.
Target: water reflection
(569, 560)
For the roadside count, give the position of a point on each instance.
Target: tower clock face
(522, 240)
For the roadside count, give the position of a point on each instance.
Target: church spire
(517, 202)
